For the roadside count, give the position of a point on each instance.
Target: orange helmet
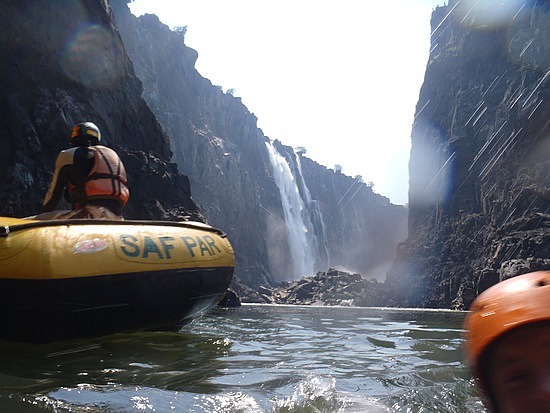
(505, 306)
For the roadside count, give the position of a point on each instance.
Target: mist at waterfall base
(298, 237)
(253, 359)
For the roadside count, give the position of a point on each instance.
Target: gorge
(230, 163)
(479, 194)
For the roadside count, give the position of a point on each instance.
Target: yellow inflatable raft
(65, 279)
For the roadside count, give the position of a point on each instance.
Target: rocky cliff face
(216, 142)
(479, 193)
(61, 63)
(362, 226)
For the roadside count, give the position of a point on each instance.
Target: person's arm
(60, 178)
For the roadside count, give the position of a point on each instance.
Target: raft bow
(64, 279)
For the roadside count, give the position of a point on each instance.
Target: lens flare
(93, 58)
(488, 14)
(431, 165)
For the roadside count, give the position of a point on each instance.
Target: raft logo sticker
(168, 248)
(90, 246)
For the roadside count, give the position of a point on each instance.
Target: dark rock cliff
(62, 62)
(479, 194)
(216, 142)
(327, 288)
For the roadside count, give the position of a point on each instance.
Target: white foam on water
(317, 394)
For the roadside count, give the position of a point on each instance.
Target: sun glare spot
(488, 14)
(92, 58)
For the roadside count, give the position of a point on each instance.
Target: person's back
(91, 176)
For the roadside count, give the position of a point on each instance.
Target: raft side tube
(5, 230)
(81, 248)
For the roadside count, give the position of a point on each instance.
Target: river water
(256, 358)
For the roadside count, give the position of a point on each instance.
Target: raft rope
(7, 229)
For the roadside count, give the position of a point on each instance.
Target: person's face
(519, 371)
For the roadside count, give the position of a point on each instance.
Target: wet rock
(513, 268)
(333, 287)
(303, 290)
(247, 294)
(465, 296)
(230, 299)
(487, 278)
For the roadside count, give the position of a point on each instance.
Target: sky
(339, 78)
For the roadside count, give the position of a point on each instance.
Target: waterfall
(299, 226)
(317, 223)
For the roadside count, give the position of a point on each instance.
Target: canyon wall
(217, 143)
(61, 63)
(479, 194)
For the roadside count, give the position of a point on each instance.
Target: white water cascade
(299, 226)
(318, 237)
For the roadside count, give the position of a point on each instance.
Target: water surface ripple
(255, 358)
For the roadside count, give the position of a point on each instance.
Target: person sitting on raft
(508, 343)
(92, 177)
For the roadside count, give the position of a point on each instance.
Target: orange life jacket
(107, 178)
